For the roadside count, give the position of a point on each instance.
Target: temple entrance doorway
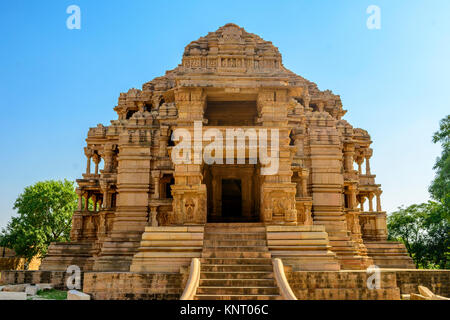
(231, 198)
(233, 193)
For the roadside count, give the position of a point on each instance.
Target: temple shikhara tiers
(140, 212)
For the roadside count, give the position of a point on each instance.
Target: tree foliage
(440, 187)
(424, 229)
(44, 216)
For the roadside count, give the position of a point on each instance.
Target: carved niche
(279, 205)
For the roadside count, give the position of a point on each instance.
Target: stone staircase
(236, 263)
(389, 254)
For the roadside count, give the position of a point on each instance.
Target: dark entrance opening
(231, 198)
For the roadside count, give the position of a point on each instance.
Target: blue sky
(55, 83)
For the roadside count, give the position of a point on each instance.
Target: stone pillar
(349, 151)
(370, 202)
(299, 142)
(96, 158)
(76, 233)
(362, 199)
(106, 203)
(352, 197)
(368, 155)
(299, 187)
(94, 200)
(153, 216)
(359, 161)
(378, 194)
(80, 199)
(163, 141)
(89, 153)
(108, 154)
(308, 217)
(305, 175)
(86, 201)
(156, 175)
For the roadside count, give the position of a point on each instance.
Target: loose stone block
(77, 295)
(13, 296)
(31, 290)
(14, 288)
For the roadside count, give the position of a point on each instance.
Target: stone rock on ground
(424, 291)
(77, 295)
(31, 290)
(13, 296)
(44, 286)
(15, 288)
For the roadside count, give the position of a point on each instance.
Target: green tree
(44, 216)
(440, 186)
(424, 229)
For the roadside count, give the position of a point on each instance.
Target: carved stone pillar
(156, 175)
(80, 199)
(349, 151)
(362, 199)
(370, 202)
(86, 201)
(305, 175)
(76, 233)
(299, 142)
(108, 155)
(359, 161)
(163, 141)
(378, 194)
(352, 197)
(298, 187)
(96, 158)
(153, 216)
(104, 187)
(308, 216)
(94, 200)
(89, 153)
(368, 155)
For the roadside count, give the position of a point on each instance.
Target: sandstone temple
(141, 213)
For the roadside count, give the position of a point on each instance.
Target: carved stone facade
(228, 79)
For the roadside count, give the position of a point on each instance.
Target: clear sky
(55, 83)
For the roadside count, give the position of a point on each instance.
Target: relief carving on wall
(189, 206)
(279, 206)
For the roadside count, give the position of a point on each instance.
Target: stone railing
(193, 281)
(373, 225)
(280, 277)
(366, 180)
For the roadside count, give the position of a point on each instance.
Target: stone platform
(307, 285)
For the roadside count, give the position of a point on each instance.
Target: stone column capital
(88, 152)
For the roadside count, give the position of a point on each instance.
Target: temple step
(236, 263)
(389, 254)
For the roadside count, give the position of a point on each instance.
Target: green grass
(52, 294)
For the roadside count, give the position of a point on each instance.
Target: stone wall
(134, 286)
(11, 263)
(57, 278)
(341, 285)
(438, 281)
(351, 285)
